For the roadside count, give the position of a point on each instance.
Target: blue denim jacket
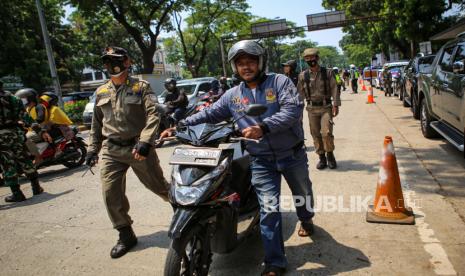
(283, 117)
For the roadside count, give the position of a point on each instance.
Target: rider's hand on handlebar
(252, 132)
(167, 132)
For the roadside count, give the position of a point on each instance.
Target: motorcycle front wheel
(189, 255)
(77, 147)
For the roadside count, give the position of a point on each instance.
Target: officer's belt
(325, 102)
(123, 143)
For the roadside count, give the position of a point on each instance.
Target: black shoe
(16, 195)
(322, 163)
(332, 164)
(36, 188)
(127, 240)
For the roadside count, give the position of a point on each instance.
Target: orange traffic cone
(371, 99)
(389, 202)
(364, 87)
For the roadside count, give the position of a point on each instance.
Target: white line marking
(439, 259)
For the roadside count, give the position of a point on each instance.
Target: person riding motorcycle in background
(175, 100)
(38, 113)
(289, 68)
(224, 84)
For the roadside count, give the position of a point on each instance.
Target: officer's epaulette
(138, 85)
(104, 88)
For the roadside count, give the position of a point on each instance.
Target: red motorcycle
(67, 149)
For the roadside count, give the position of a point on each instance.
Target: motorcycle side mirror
(255, 109)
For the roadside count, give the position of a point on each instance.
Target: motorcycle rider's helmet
(27, 95)
(49, 99)
(352, 66)
(291, 63)
(336, 70)
(170, 84)
(224, 81)
(249, 47)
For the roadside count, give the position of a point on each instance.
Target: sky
(296, 11)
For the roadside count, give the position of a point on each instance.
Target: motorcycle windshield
(204, 133)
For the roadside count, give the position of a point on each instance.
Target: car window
(187, 88)
(446, 58)
(424, 64)
(460, 55)
(205, 87)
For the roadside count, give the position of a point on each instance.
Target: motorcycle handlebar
(237, 139)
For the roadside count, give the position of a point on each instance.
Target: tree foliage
(22, 51)
(403, 24)
(143, 20)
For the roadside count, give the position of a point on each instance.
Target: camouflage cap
(311, 52)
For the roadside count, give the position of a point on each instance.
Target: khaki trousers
(116, 160)
(321, 128)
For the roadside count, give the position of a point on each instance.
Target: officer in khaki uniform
(318, 85)
(124, 126)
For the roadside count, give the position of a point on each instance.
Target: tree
(22, 51)
(143, 20)
(199, 41)
(404, 22)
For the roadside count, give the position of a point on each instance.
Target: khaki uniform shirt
(124, 114)
(317, 87)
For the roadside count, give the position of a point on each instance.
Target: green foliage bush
(74, 110)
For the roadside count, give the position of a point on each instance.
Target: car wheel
(404, 102)
(425, 120)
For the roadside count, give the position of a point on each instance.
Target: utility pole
(223, 57)
(48, 48)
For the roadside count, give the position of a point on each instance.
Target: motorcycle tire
(177, 260)
(81, 148)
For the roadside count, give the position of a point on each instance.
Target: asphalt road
(66, 230)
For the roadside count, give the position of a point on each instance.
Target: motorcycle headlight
(188, 195)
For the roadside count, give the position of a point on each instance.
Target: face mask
(25, 101)
(116, 67)
(312, 63)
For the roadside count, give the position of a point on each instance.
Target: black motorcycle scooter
(216, 207)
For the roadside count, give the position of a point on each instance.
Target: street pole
(223, 57)
(48, 48)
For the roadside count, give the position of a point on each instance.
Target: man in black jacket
(175, 100)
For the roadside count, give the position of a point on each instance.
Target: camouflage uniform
(13, 156)
(121, 117)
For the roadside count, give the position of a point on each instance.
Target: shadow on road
(331, 256)
(56, 172)
(354, 165)
(34, 200)
(158, 239)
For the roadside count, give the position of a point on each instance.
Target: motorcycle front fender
(182, 218)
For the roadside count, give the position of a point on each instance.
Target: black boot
(127, 240)
(36, 188)
(331, 160)
(16, 195)
(322, 163)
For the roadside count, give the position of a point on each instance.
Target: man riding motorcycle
(58, 122)
(39, 113)
(175, 100)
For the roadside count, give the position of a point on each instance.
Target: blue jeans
(179, 113)
(266, 179)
